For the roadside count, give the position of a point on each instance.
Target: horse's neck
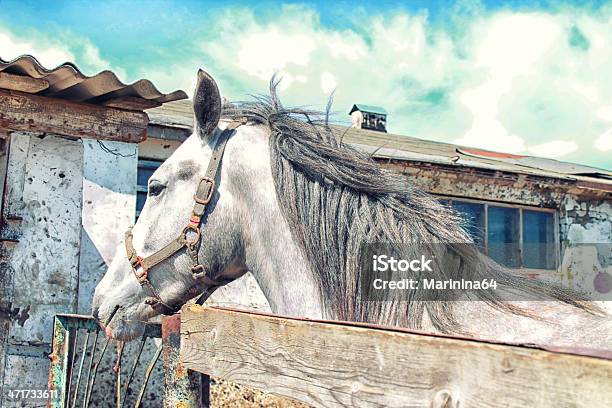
(274, 258)
(282, 272)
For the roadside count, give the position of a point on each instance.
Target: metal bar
(72, 357)
(120, 346)
(74, 321)
(95, 371)
(59, 362)
(133, 370)
(182, 387)
(78, 381)
(91, 363)
(147, 376)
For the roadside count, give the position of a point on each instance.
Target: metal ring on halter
(195, 230)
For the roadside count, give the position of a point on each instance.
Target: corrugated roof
(393, 146)
(368, 108)
(68, 82)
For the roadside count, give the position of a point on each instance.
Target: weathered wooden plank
(131, 103)
(22, 83)
(16, 175)
(24, 112)
(338, 365)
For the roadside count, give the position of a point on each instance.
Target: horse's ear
(206, 104)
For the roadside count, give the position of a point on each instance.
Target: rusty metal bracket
(182, 387)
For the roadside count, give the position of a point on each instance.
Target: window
(146, 167)
(514, 236)
(538, 240)
(374, 121)
(475, 218)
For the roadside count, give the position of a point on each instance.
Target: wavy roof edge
(66, 81)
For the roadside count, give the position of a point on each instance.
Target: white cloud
(264, 53)
(554, 149)
(604, 142)
(605, 113)
(51, 52)
(514, 81)
(510, 81)
(328, 82)
(507, 81)
(49, 55)
(346, 45)
(504, 53)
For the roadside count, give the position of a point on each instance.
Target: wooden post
(339, 364)
(182, 388)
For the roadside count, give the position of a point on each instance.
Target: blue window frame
(514, 236)
(146, 168)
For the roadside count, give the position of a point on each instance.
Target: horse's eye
(155, 188)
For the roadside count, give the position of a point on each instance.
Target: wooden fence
(337, 364)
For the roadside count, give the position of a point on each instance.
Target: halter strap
(189, 238)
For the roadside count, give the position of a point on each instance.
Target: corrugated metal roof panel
(68, 82)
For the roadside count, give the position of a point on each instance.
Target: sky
(523, 77)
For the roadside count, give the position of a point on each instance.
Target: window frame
(145, 163)
(521, 208)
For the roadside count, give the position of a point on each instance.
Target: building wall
(585, 216)
(586, 232)
(66, 207)
(42, 212)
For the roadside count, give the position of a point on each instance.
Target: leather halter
(190, 237)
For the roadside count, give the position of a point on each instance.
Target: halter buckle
(207, 199)
(138, 264)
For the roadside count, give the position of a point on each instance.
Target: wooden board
(338, 365)
(131, 103)
(23, 112)
(22, 83)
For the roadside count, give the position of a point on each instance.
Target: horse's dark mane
(336, 198)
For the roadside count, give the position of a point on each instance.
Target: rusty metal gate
(79, 347)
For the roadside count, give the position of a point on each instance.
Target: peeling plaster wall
(109, 208)
(67, 205)
(40, 271)
(586, 235)
(585, 216)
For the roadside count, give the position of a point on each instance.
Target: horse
(291, 203)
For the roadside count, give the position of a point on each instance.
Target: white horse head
(232, 227)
